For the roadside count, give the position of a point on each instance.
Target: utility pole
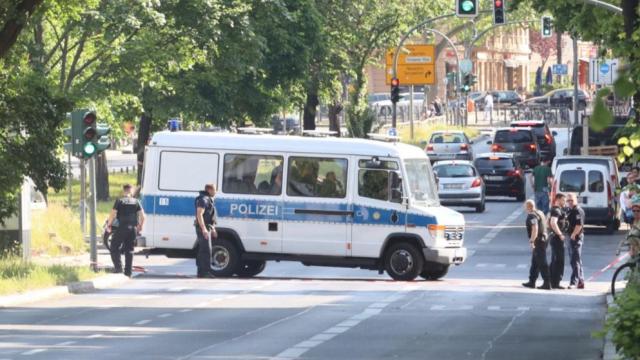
(585, 121)
(411, 112)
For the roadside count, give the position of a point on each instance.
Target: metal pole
(83, 197)
(411, 112)
(92, 214)
(69, 178)
(585, 128)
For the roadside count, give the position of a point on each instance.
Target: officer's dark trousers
(575, 255)
(539, 263)
(203, 257)
(556, 269)
(122, 243)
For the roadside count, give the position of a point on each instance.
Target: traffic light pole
(92, 214)
(83, 197)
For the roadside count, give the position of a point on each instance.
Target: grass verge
(17, 276)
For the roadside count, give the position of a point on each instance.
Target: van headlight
(437, 232)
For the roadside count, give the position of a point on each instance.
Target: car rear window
(596, 181)
(497, 163)
(443, 138)
(572, 181)
(509, 136)
(454, 171)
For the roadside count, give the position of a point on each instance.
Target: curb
(80, 287)
(609, 350)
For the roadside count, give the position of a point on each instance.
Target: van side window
(317, 177)
(596, 181)
(374, 184)
(252, 174)
(187, 171)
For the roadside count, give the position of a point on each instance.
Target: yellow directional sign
(416, 66)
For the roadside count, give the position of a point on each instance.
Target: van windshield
(421, 182)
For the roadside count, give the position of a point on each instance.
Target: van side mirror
(489, 142)
(554, 133)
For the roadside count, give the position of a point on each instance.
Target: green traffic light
(467, 5)
(89, 149)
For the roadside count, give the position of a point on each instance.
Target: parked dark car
(502, 175)
(544, 136)
(561, 97)
(277, 124)
(506, 97)
(606, 137)
(521, 142)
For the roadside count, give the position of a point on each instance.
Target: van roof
(325, 145)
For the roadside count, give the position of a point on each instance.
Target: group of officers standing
(563, 229)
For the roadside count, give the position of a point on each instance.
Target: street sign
(466, 66)
(603, 71)
(560, 69)
(416, 67)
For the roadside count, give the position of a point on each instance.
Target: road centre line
(33, 352)
(143, 322)
(66, 343)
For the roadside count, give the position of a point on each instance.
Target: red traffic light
(395, 82)
(89, 118)
(498, 3)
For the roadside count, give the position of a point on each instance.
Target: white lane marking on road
(506, 329)
(94, 336)
(482, 265)
(324, 336)
(494, 308)
(451, 308)
(66, 343)
(165, 315)
(523, 308)
(33, 352)
(177, 289)
(437, 307)
(185, 310)
(522, 266)
(556, 309)
(336, 330)
(143, 322)
(372, 310)
(498, 228)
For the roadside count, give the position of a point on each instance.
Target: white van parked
(320, 201)
(576, 160)
(594, 187)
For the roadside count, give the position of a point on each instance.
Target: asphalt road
(478, 311)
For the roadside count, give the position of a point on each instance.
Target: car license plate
(453, 186)
(494, 178)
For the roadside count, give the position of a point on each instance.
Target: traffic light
(546, 26)
(467, 82)
(498, 12)
(89, 134)
(466, 8)
(395, 90)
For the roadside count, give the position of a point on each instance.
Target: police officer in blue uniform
(130, 215)
(205, 230)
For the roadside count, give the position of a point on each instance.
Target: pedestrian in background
(130, 215)
(558, 226)
(536, 230)
(541, 181)
(575, 217)
(205, 230)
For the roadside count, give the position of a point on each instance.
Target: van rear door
(588, 182)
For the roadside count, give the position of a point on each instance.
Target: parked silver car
(449, 145)
(460, 184)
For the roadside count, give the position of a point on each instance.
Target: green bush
(624, 320)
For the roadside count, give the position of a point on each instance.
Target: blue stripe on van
(278, 211)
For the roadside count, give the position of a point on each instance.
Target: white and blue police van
(320, 201)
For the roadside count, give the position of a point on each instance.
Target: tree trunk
(310, 109)
(144, 131)
(14, 25)
(102, 177)
(335, 108)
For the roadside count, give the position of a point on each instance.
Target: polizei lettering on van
(253, 209)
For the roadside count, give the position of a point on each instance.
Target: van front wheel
(225, 258)
(434, 271)
(251, 268)
(403, 261)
